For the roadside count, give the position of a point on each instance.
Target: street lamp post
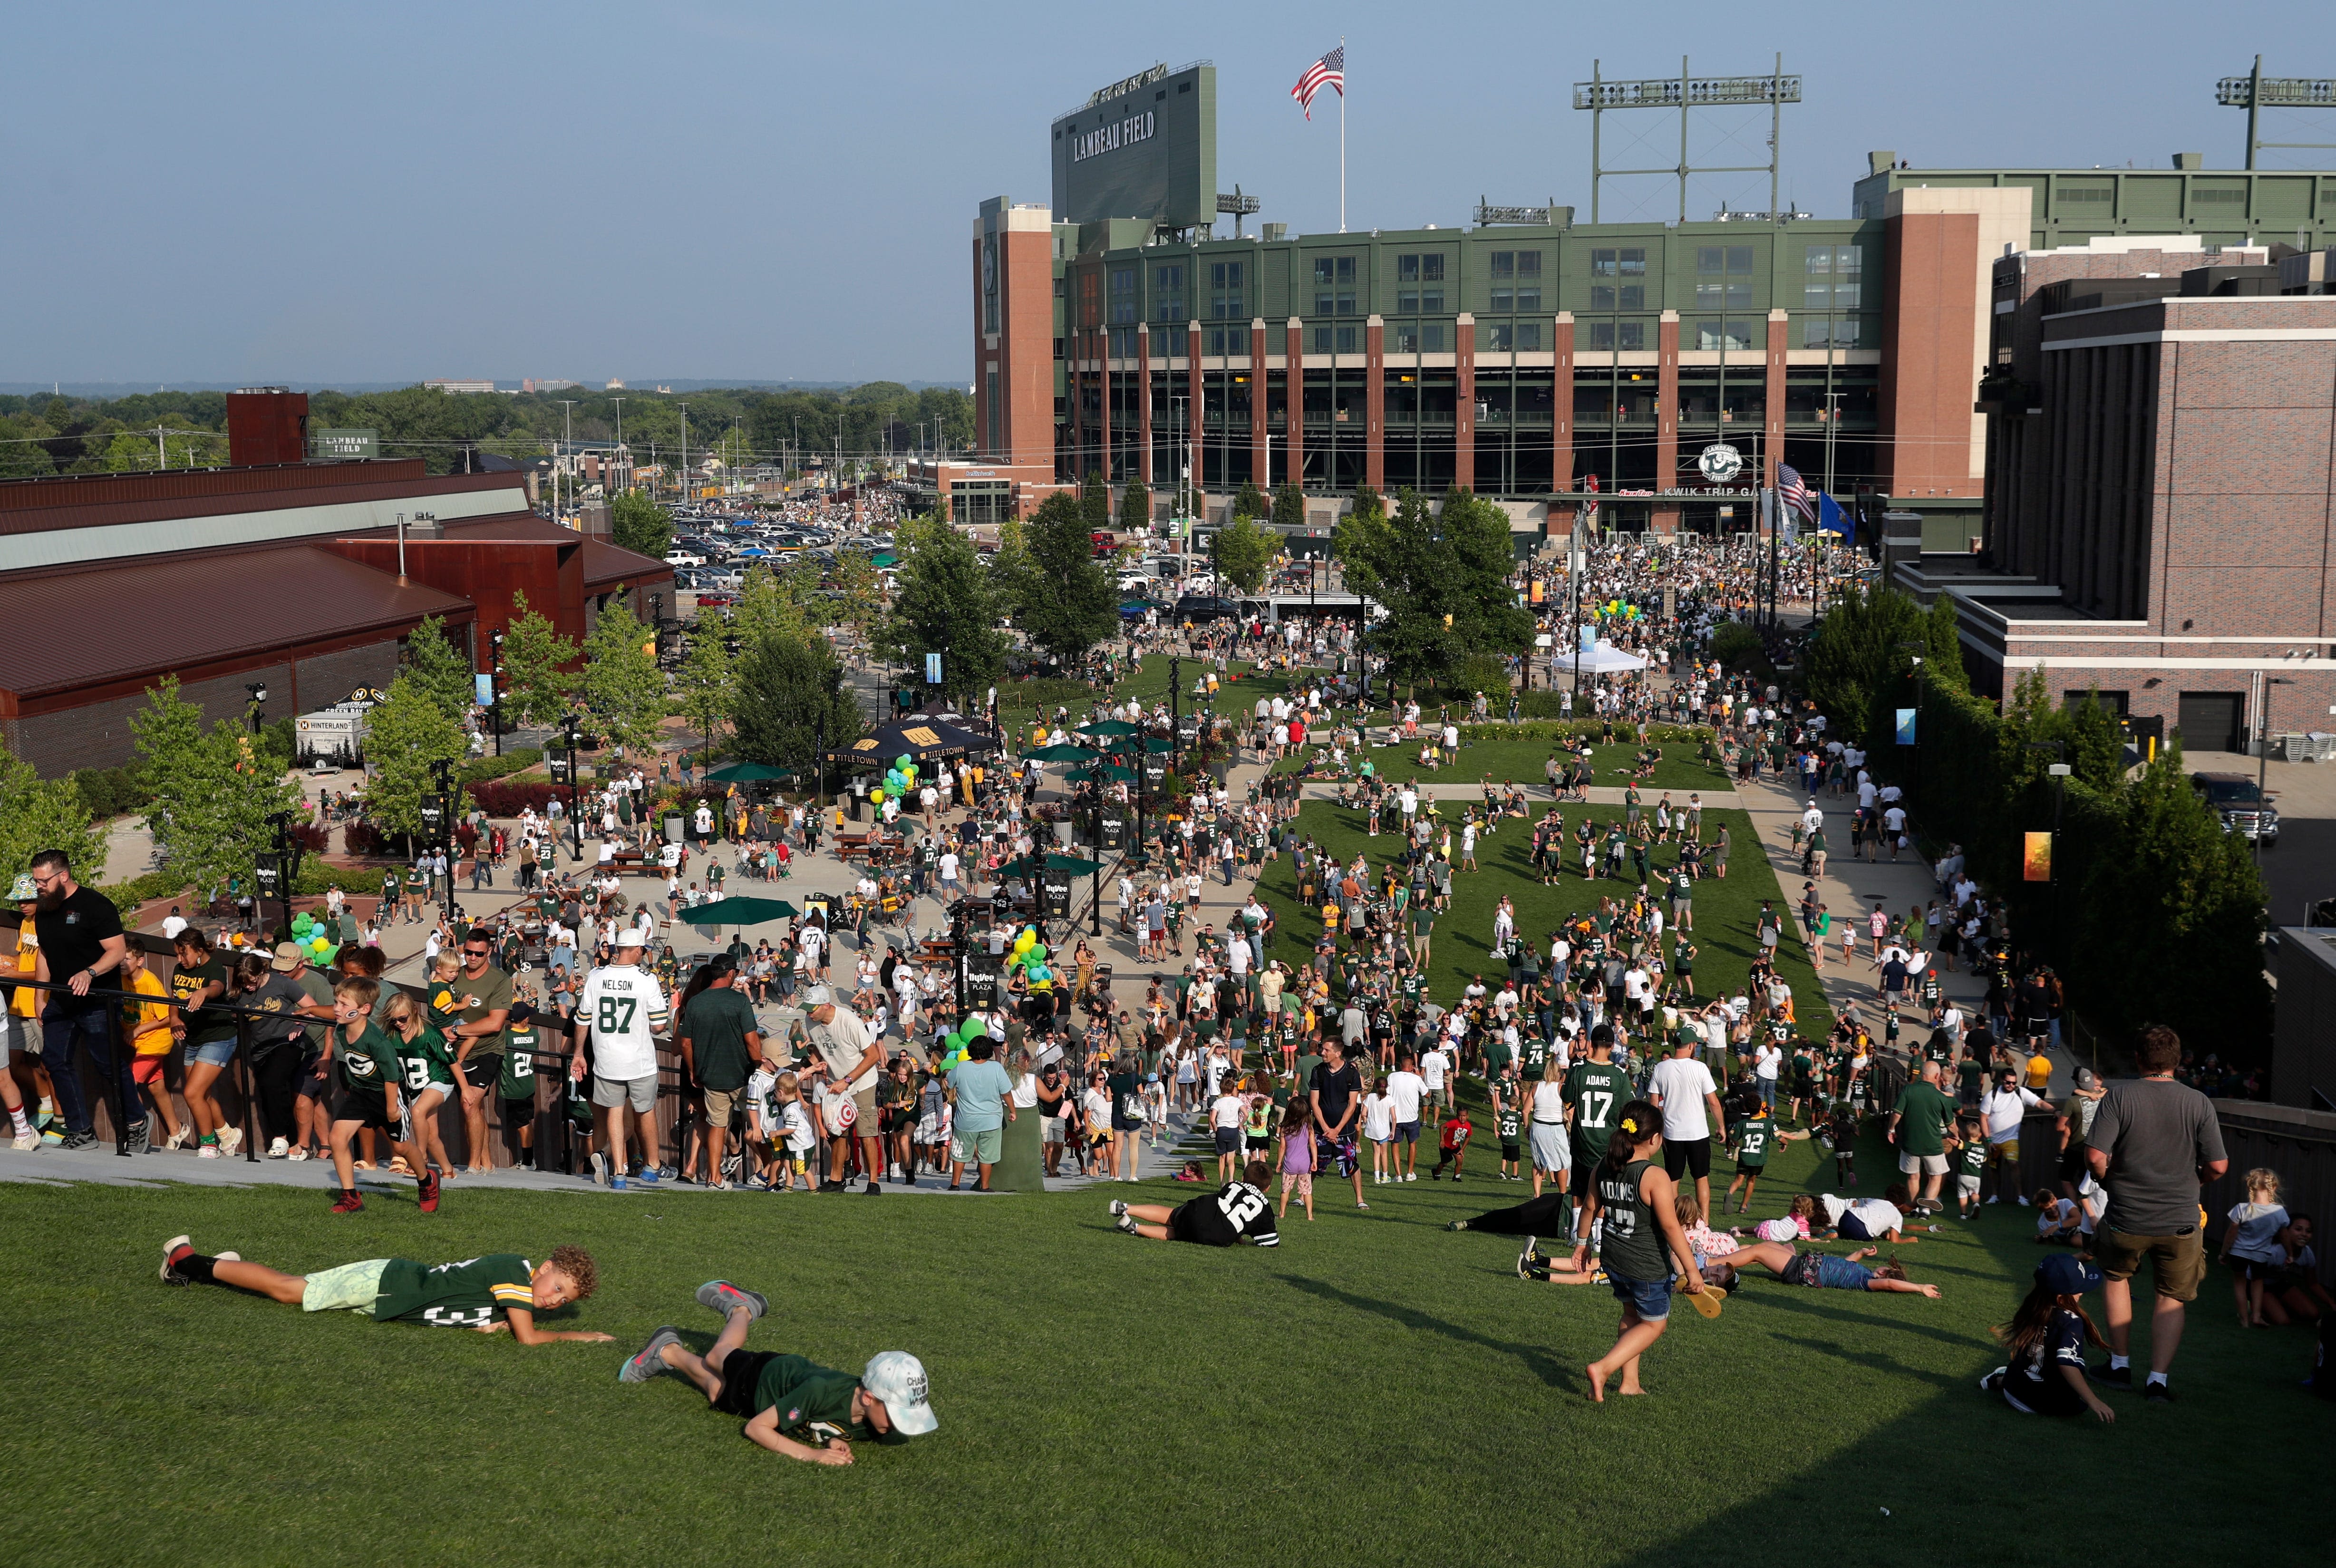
(495, 691)
(444, 798)
(574, 729)
(2059, 771)
(1915, 648)
(257, 691)
(2263, 760)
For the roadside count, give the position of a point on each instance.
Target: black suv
(2244, 808)
(1198, 608)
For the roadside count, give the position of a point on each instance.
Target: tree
(1251, 501)
(1289, 508)
(791, 699)
(1094, 502)
(439, 667)
(1242, 552)
(1070, 605)
(38, 813)
(407, 735)
(213, 792)
(946, 604)
(1444, 579)
(2096, 745)
(709, 677)
(773, 603)
(1013, 571)
(623, 686)
(537, 684)
(640, 524)
(863, 603)
(1136, 506)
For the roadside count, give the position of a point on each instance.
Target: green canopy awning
(887, 559)
(1063, 753)
(1025, 867)
(747, 773)
(739, 911)
(1111, 726)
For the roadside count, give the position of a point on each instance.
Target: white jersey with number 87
(625, 1008)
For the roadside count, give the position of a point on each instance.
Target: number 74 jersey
(626, 1010)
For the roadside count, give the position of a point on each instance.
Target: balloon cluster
(1028, 954)
(1615, 607)
(309, 935)
(899, 778)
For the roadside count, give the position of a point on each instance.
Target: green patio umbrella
(747, 773)
(1111, 726)
(1025, 866)
(741, 912)
(1062, 754)
(1118, 775)
(888, 559)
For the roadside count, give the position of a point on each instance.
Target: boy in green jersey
(516, 1085)
(490, 1294)
(790, 1405)
(367, 1094)
(1968, 1150)
(1755, 1132)
(1594, 1091)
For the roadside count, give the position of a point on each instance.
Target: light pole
(495, 689)
(2263, 760)
(257, 691)
(1915, 650)
(573, 726)
(2059, 770)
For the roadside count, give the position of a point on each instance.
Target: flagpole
(1342, 135)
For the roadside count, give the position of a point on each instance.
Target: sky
(259, 192)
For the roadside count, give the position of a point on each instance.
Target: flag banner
(2036, 858)
(1833, 519)
(1905, 726)
(1794, 493)
(1330, 72)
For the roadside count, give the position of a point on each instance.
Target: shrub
(362, 839)
(109, 792)
(519, 759)
(1483, 672)
(508, 800)
(1735, 645)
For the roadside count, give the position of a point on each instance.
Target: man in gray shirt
(2153, 1143)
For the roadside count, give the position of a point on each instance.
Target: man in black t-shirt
(82, 944)
(1335, 1092)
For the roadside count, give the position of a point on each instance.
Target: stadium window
(1168, 294)
(1841, 332)
(1331, 270)
(1831, 277)
(1505, 301)
(1432, 335)
(1406, 300)
(1528, 296)
(1348, 338)
(1528, 337)
(1505, 263)
(1431, 300)
(1629, 336)
(1123, 294)
(1731, 334)
(1499, 335)
(1407, 337)
(1622, 296)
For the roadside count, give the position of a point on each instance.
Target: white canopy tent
(1604, 658)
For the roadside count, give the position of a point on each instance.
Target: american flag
(1330, 71)
(1795, 494)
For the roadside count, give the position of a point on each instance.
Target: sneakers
(1457, 1226)
(1124, 1224)
(279, 1148)
(600, 1169)
(176, 1247)
(649, 1175)
(230, 1139)
(1411, 1175)
(208, 1152)
(2109, 1377)
(2157, 1393)
(872, 1190)
(77, 1141)
(650, 1361)
(617, 1182)
(25, 1142)
(429, 1184)
(1118, 1206)
(726, 1297)
(1994, 1381)
(1525, 1258)
(348, 1202)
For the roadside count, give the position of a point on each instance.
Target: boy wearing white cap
(791, 1406)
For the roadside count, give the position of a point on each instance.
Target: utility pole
(685, 448)
(620, 442)
(567, 444)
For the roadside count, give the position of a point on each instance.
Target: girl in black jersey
(1641, 1239)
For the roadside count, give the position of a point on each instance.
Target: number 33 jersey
(626, 1010)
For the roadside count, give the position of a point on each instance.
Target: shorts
(1256, 1142)
(1406, 1132)
(1199, 1222)
(741, 1370)
(1853, 1228)
(1509, 1152)
(1922, 1164)
(366, 1110)
(2178, 1262)
(1297, 1184)
(1687, 1157)
(2248, 1269)
(2005, 1153)
(22, 1034)
(1549, 1152)
(1229, 1140)
(211, 1053)
(148, 1070)
(981, 1148)
(1650, 1299)
(482, 1072)
(1050, 1128)
(1967, 1186)
(720, 1103)
(610, 1094)
(317, 1079)
(351, 1288)
(1585, 1175)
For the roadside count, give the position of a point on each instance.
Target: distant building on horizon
(450, 384)
(548, 384)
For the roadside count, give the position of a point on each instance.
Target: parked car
(2245, 809)
(684, 558)
(1103, 543)
(1198, 608)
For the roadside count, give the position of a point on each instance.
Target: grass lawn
(1522, 762)
(1375, 1387)
(1725, 911)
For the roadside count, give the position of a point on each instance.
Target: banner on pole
(1905, 726)
(2036, 858)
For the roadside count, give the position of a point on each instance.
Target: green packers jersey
(1596, 1091)
(1970, 1160)
(369, 1064)
(470, 1294)
(1752, 1141)
(425, 1061)
(519, 1045)
(1508, 1123)
(1535, 1056)
(813, 1402)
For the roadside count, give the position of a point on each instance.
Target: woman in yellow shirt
(146, 1027)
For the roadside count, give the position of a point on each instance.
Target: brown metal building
(287, 574)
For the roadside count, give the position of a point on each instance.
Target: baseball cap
(898, 1379)
(24, 891)
(2068, 1274)
(820, 996)
(287, 957)
(2087, 1079)
(629, 937)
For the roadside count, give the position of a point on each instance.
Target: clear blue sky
(715, 190)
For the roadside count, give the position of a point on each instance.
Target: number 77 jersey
(625, 1008)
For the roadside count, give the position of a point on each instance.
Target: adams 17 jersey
(625, 1008)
